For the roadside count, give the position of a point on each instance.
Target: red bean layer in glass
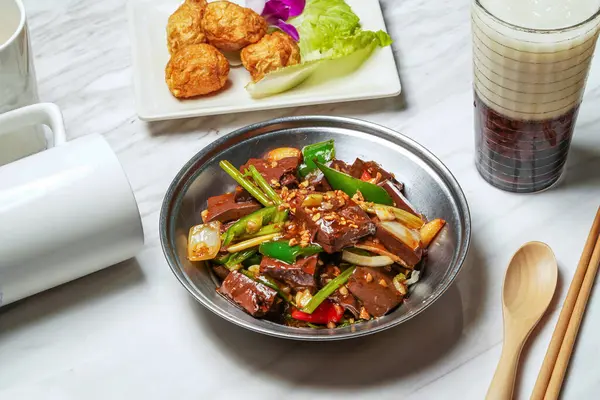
(521, 156)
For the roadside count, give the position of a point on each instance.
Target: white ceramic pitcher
(64, 212)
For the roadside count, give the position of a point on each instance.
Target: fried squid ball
(230, 27)
(184, 26)
(275, 50)
(195, 70)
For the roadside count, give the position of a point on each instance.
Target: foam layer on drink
(542, 14)
(525, 74)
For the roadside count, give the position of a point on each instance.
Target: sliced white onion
(409, 237)
(379, 249)
(204, 241)
(414, 278)
(389, 213)
(400, 284)
(366, 261)
(384, 213)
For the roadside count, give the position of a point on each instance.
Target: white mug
(18, 87)
(64, 212)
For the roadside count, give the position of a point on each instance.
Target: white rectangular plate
(376, 78)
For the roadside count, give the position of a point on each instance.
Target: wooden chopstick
(565, 330)
(564, 356)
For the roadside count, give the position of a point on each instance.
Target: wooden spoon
(529, 285)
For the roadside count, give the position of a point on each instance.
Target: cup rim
(20, 27)
(533, 30)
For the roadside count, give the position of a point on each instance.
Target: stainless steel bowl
(429, 185)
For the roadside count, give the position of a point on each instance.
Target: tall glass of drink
(530, 62)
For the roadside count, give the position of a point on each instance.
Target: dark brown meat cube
(273, 171)
(395, 192)
(256, 298)
(241, 195)
(289, 164)
(411, 256)
(224, 208)
(347, 301)
(337, 223)
(340, 165)
(289, 180)
(298, 276)
(375, 289)
(371, 167)
(318, 182)
(220, 271)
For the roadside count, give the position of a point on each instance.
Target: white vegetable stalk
(303, 298)
(366, 261)
(250, 243)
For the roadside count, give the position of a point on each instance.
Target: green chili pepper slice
(284, 252)
(350, 185)
(239, 258)
(322, 152)
(327, 290)
(249, 224)
(254, 260)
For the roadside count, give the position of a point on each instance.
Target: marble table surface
(132, 332)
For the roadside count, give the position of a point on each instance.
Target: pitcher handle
(42, 113)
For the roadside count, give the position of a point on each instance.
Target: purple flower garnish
(277, 12)
(289, 29)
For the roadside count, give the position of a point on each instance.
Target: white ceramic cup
(18, 87)
(65, 212)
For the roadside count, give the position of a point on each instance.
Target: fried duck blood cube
(401, 241)
(224, 208)
(395, 192)
(273, 171)
(375, 289)
(254, 297)
(336, 223)
(369, 169)
(299, 275)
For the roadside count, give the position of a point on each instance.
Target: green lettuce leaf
(329, 29)
(332, 44)
(322, 22)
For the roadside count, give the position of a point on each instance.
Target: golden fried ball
(230, 27)
(197, 3)
(273, 51)
(195, 70)
(184, 26)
